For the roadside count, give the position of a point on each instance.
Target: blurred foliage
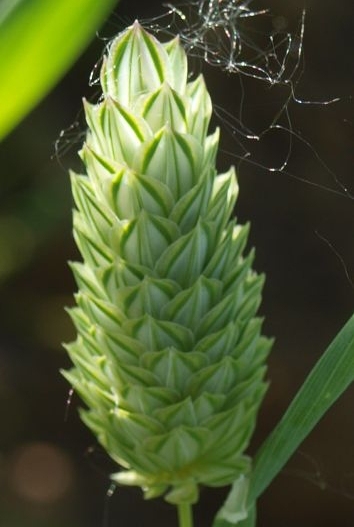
(39, 40)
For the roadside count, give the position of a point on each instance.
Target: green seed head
(169, 358)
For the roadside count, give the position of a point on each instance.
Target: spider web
(254, 45)
(224, 34)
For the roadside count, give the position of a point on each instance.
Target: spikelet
(169, 356)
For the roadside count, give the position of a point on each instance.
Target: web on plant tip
(253, 44)
(225, 34)
(257, 49)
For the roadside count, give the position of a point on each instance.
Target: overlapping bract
(169, 358)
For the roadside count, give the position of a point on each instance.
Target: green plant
(169, 358)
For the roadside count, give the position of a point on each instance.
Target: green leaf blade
(330, 377)
(39, 40)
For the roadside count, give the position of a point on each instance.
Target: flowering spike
(169, 357)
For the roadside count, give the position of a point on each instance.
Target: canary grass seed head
(169, 357)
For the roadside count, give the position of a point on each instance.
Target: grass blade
(330, 377)
(39, 40)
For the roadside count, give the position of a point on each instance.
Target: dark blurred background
(52, 473)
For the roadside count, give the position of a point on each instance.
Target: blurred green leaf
(39, 40)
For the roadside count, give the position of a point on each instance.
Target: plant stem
(185, 516)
